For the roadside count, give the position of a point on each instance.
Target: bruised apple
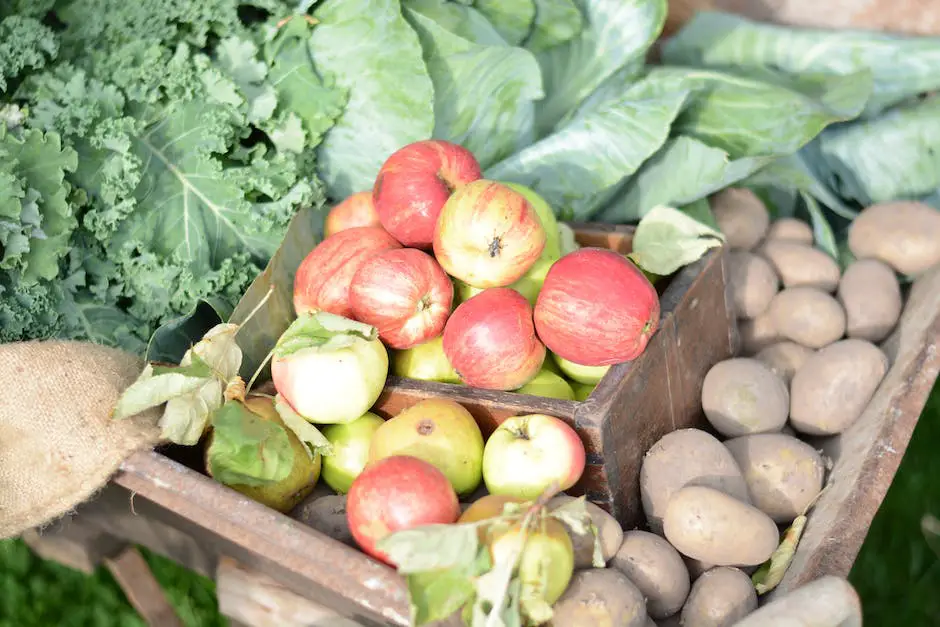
(404, 293)
(356, 210)
(415, 182)
(323, 277)
(350, 443)
(596, 308)
(490, 341)
(525, 454)
(397, 493)
(425, 361)
(439, 431)
(488, 235)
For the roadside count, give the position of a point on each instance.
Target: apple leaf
(574, 515)
(322, 331)
(313, 441)
(437, 594)
(431, 547)
(246, 449)
(667, 239)
(152, 389)
(218, 349)
(185, 417)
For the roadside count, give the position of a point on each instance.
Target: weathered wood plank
(142, 589)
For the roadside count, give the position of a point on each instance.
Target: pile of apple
(466, 280)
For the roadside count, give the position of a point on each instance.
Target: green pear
(548, 384)
(582, 374)
(351, 443)
(425, 361)
(552, 248)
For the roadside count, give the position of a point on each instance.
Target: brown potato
(711, 526)
(871, 296)
(608, 531)
(830, 391)
(600, 596)
(743, 395)
(686, 456)
(807, 316)
(905, 235)
(656, 568)
(799, 265)
(784, 358)
(741, 216)
(783, 474)
(752, 282)
(757, 333)
(719, 598)
(790, 230)
(327, 515)
(828, 600)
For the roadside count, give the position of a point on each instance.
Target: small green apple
(529, 285)
(548, 384)
(552, 248)
(547, 561)
(582, 390)
(439, 431)
(425, 361)
(567, 241)
(350, 450)
(581, 374)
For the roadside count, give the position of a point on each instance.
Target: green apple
(529, 285)
(425, 361)
(552, 248)
(567, 241)
(350, 443)
(582, 390)
(548, 384)
(439, 431)
(547, 561)
(581, 374)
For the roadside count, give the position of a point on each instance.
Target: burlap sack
(58, 444)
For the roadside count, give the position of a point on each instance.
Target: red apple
(490, 340)
(596, 308)
(415, 182)
(323, 278)
(356, 210)
(404, 294)
(396, 493)
(525, 454)
(488, 235)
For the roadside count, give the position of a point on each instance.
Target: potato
(656, 568)
(743, 395)
(828, 600)
(752, 282)
(757, 333)
(834, 386)
(608, 530)
(784, 358)
(711, 526)
(741, 216)
(799, 265)
(783, 473)
(327, 515)
(600, 596)
(682, 457)
(904, 235)
(807, 316)
(719, 598)
(871, 296)
(790, 230)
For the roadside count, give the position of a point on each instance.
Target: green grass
(897, 574)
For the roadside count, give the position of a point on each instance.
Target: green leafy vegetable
(512, 18)
(556, 22)
(375, 55)
(246, 449)
(171, 340)
(461, 20)
(667, 239)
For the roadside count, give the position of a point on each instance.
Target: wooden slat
(142, 589)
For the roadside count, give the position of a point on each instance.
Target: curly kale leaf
(24, 43)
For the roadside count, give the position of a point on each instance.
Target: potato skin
(758, 333)
(783, 473)
(799, 265)
(905, 235)
(711, 526)
(741, 216)
(326, 514)
(656, 568)
(784, 358)
(828, 600)
(608, 530)
(790, 230)
(871, 296)
(834, 386)
(807, 316)
(752, 282)
(681, 457)
(600, 596)
(719, 598)
(742, 395)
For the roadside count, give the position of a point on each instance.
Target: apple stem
(251, 314)
(257, 373)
